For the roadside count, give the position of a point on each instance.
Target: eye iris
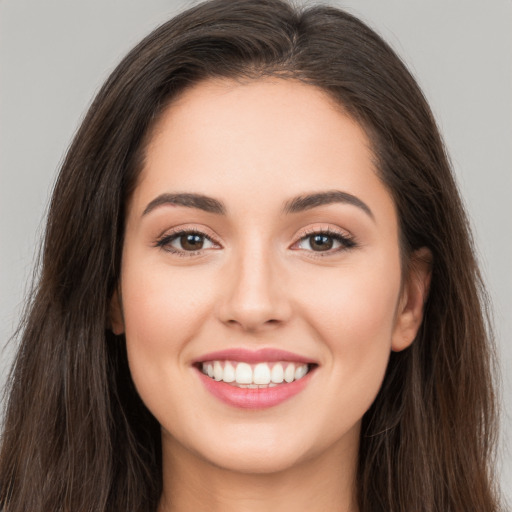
(321, 242)
(191, 242)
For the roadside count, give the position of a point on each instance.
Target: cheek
(163, 310)
(356, 306)
(159, 303)
(355, 318)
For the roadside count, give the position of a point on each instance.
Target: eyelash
(346, 242)
(165, 241)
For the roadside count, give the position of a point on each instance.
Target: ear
(414, 296)
(115, 314)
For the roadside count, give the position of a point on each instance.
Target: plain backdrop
(55, 54)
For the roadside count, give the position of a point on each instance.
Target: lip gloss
(254, 356)
(253, 398)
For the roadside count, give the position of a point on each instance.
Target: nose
(254, 296)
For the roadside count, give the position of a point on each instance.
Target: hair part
(78, 437)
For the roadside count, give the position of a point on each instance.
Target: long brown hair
(77, 436)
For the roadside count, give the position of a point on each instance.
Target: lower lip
(254, 398)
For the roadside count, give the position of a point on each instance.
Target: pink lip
(248, 398)
(252, 356)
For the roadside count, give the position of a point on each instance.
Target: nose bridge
(254, 295)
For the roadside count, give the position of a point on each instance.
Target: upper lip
(253, 356)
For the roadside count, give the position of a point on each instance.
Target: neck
(321, 483)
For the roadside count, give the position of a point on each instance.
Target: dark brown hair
(77, 436)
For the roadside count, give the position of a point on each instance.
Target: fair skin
(323, 283)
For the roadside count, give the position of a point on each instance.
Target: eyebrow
(307, 202)
(294, 205)
(198, 201)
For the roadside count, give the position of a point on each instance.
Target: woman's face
(259, 244)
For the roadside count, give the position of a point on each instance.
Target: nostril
(251, 323)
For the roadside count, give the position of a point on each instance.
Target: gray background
(54, 54)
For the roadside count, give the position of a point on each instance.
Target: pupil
(322, 242)
(192, 242)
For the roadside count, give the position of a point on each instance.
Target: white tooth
(204, 368)
(209, 370)
(272, 385)
(301, 371)
(243, 373)
(252, 386)
(217, 371)
(289, 373)
(229, 373)
(261, 374)
(277, 375)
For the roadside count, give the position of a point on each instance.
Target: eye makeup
(191, 240)
(321, 242)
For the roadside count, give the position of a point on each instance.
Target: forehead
(295, 111)
(257, 141)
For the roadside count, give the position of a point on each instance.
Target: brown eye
(186, 242)
(321, 242)
(328, 242)
(191, 242)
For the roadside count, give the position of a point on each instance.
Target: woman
(258, 288)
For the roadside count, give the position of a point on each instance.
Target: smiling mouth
(255, 376)
(254, 379)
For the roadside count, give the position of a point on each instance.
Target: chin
(258, 448)
(260, 460)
